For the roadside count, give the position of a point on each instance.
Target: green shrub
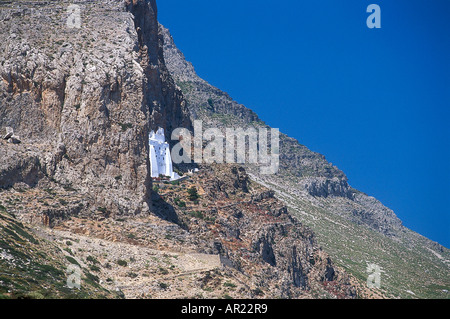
(179, 202)
(34, 295)
(72, 260)
(92, 260)
(193, 194)
(258, 292)
(94, 268)
(92, 278)
(122, 263)
(125, 126)
(229, 284)
(197, 214)
(163, 285)
(163, 271)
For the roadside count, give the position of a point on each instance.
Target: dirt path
(136, 270)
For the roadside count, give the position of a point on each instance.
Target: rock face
(84, 99)
(7, 132)
(18, 166)
(167, 106)
(254, 233)
(324, 187)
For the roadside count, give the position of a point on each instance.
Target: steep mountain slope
(34, 267)
(81, 101)
(356, 229)
(75, 186)
(232, 239)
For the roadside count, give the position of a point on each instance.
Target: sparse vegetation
(193, 194)
(132, 274)
(258, 292)
(179, 202)
(163, 271)
(122, 262)
(125, 126)
(94, 268)
(72, 260)
(229, 284)
(163, 285)
(92, 260)
(197, 214)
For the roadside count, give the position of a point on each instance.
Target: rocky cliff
(77, 102)
(82, 100)
(255, 235)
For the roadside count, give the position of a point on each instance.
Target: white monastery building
(160, 159)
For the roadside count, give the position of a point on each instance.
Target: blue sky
(375, 102)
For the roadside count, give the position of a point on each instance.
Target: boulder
(7, 132)
(14, 139)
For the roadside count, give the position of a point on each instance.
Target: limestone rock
(253, 231)
(14, 139)
(89, 100)
(7, 132)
